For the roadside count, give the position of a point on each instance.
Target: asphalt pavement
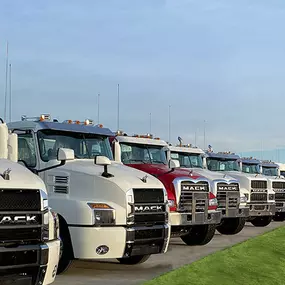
(112, 273)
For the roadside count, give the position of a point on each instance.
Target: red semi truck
(193, 208)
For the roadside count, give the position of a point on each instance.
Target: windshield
(188, 160)
(85, 146)
(140, 153)
(219, 164)
(270, 171)
(250, 168)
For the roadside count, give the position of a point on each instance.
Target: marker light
(44, 117)
(77, 122)
(99, 125)
(99, 206)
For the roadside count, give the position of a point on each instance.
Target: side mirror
(174, 163)
(102, 160)
(64, 154)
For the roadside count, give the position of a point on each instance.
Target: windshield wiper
(158, 161)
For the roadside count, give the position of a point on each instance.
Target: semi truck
(272, 172)
(106, 210)
(29, 233)
(231, 202)
(193, 207)
(259, 194)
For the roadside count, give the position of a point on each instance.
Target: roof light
(41, 118)
(156, 138)
(77, 122)
(99, 125)
(88, 122)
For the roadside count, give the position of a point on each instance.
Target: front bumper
(242, 212)
(261, 209)
(188, 219)
(37, 262)
(280, 207)
(118, 242)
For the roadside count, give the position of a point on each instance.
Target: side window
(26, 149)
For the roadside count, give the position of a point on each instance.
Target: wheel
(132, 260)
(279, 217)
(231, 226)
(199, 235)
(261, 221)
(66, 251)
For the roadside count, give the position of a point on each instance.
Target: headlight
(243, 199)
(103, 214)
(271, 196)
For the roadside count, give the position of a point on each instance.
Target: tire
(261, 221)
(200, 235)
(66, 247)
(132, 260)
(231, 226)
(279, 217)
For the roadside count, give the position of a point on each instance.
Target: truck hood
(211, 175)
(240, 175)
(20, 176)
(125, 177)
(161, 170)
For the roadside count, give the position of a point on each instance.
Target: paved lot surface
(112, 273)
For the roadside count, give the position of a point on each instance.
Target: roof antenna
(10, 92)
(6, 82)
(118, 118)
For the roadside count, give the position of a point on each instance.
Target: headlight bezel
(103, 214)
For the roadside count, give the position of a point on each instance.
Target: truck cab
(232, 203)
(193, 207)
(106, 210)
(272, 172)
(29, 230)
(259, 194)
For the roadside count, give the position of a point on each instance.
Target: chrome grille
(258, 184)
(193, 197)
(228, 195)
(257, 197)
(278, 185)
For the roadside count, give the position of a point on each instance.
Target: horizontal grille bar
(149, 234)
(18, 258)
(148, 195)
(20, 200)
(258, 184)
(278, 185)
(21, 234)
(157, 219)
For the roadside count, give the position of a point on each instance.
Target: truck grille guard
(228, 194)
(192, 195)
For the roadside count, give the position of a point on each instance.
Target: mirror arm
(106, 174)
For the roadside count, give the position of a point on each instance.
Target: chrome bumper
(235, 213)
(187, 219)
(257, 210)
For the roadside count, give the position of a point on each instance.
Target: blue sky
(219, 61)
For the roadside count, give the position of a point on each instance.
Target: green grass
(258, 261)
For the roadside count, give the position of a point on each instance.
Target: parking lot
(111, 273)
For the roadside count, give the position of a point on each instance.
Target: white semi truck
(106, 210)
(29, 233)
(193, 207)
(259, 194)
(272, 172)
(231, 202)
